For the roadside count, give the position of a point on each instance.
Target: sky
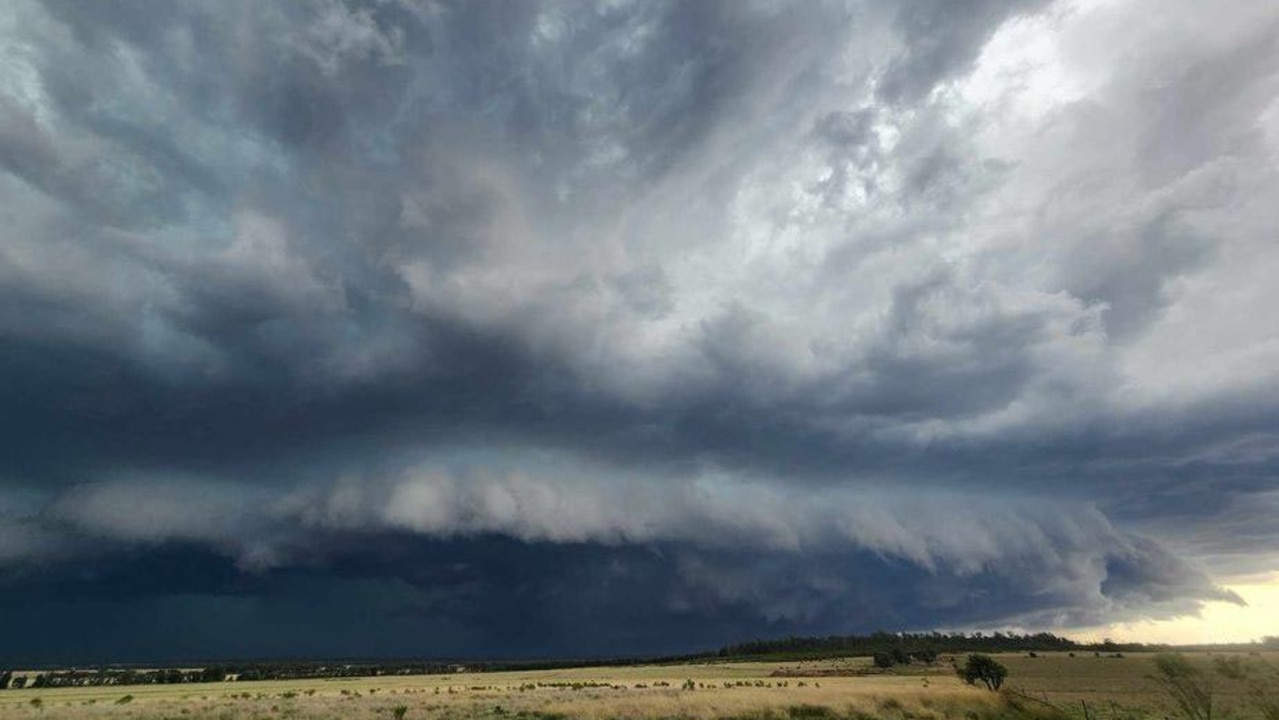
(524, 329)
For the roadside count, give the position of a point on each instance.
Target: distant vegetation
(899, 656)
(912, 644)
(85, 677)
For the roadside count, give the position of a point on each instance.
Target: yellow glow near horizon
(1218, 622)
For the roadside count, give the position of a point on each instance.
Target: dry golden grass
(1121, 687)
(1113, 688)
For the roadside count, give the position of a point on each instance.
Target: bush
(882, 660)
(1231, 667)
(399, 711)
(984, 668)
(809, 712)
(927, 655)
(1185, 685)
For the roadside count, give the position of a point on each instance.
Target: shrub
(398, 711)
(1266, 702)
(809, 712)
(882, 660)
(1185, 686)
(1231, 667)
(927, 655)
(984, 668)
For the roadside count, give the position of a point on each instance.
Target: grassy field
(1049, 686)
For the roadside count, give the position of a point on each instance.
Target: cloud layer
(778, 318)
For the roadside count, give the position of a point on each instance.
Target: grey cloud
(942, 39)
(1068, 555)
(672, 283)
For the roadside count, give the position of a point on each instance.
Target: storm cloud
(657, 325)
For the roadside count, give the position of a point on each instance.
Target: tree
(882, 660)
(984, 668)
(4, 679)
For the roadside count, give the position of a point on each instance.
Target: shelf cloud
(718, 320)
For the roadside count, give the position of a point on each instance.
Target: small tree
(882, 660)
(984, 668)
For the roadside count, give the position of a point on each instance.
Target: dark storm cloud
(488, 596)
(756, 312)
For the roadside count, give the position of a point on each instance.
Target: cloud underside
(717, 320)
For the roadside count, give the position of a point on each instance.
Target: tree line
(85, 677)
(915, 644)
